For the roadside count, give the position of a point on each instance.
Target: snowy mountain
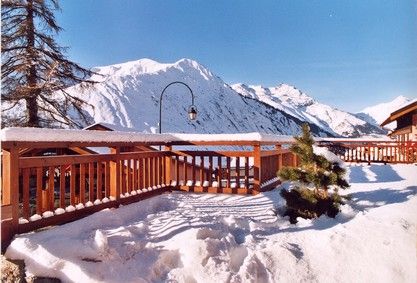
(297, 104)
(378, 113)
(128, 95)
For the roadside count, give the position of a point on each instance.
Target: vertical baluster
(237, 172)
(99, 180)
(62, 186)
(247, 171)
(219, 172)
(72, 183)
(82, 182)
(107, 179)
(39, 176)
(228, 171)
(135, 174)
(140, 174)
(177, 169)
(26, 190)
(201, 171)
(146, 172)
(51, 188)
(129, 175)
(91, 181)
(185, 169)
(193, 169)
(210, 171)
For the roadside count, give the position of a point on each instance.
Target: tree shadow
(373, 174)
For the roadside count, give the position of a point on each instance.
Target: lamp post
(192, 110)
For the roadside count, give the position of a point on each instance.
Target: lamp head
(192, 112)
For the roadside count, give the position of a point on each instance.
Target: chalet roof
(412, 106)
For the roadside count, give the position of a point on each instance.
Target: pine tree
(314, 171)
(35, 72)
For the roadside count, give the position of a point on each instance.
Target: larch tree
(35, 71)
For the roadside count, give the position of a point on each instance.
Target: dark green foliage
(305, 203)
(314, 170)
(35, 72)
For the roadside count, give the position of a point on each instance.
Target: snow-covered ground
(185, 237)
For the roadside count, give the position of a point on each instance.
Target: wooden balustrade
(39, 191)
(380, 152)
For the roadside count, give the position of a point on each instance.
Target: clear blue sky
(348, 54)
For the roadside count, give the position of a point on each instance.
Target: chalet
(406, 118)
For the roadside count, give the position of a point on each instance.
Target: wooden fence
(39, 191)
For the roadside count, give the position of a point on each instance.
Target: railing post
(278, 149)
(10, 193)
(257, 168)
(168, 162)
(115, 173)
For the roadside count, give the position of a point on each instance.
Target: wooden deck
(64, 188)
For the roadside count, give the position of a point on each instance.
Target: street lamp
(192, 110)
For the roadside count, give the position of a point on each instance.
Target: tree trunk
(33, 93)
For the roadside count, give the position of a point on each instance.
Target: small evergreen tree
(35, 72)
(314, 171)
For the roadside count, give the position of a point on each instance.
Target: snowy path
(222, 238)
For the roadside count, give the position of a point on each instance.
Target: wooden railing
(378, 152)
(40, 191)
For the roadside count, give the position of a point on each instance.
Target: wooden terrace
(39, 191)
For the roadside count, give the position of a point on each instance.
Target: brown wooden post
(10, 192)
(278, 149)
(257, 168)
(168, 165)
(115, 173)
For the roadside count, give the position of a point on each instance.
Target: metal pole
(160, 101)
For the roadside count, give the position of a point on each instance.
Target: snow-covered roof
(70, 135)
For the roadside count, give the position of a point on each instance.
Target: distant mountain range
(128, 95)
(379, 113)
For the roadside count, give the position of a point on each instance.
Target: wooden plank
(140, 174)
(228, 171)
(72, 183)
(51, 188)
(257, 168)
(237, 172)
(146, 172)
(219, 171)
(129, 185)
(62, 186)
(26, 189)
(135, 175)
(177, 169)
(82, 182)
(201, 170)
(37, 161)
(107, 179)
(210, 171)
(99, 180)
(185, 169)
(168, 149)
(39, 189)
(91, 182)
(247, 172)
(212, 153)
(193, 168)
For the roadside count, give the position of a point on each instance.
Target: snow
(66, 135)
(291, 100)
(380, 112)
(187, 237)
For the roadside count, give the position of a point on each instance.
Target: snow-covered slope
(378, 113)
(296, 103)
(128, 95)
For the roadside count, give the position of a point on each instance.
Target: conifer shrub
(314, 176)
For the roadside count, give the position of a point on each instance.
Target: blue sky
(348, 54)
